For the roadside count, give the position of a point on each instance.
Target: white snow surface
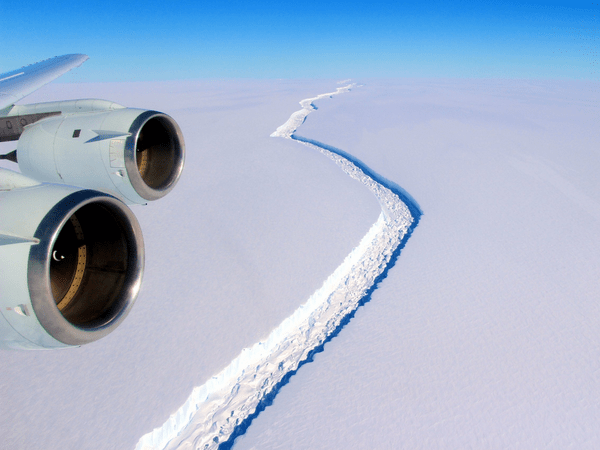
(485, 333)
(211, 414)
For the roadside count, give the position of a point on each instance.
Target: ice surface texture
(221, 409)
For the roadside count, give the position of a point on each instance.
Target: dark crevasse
(224, 407)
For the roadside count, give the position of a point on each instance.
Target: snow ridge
(222, 408)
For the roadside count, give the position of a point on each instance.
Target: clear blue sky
(158, 40)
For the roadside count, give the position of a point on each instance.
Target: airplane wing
(21, 82)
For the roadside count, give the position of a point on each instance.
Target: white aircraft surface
(71, 251)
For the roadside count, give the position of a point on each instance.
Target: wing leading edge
(21, 82)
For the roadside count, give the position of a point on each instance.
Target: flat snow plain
(486, 333)
(483, 335)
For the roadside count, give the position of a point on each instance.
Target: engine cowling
(74, 269)
(136, 154)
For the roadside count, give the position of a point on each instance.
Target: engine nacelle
(136, 154)
(73, 270)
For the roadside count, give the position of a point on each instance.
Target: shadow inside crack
(409, 201)
(415, 211)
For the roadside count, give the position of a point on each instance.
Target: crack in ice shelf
(221, 409)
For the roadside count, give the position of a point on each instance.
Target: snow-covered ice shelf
(221, 409)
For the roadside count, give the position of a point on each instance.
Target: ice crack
(221, 409)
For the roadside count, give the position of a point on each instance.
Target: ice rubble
(212, 412)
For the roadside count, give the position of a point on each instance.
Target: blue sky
(158, 40)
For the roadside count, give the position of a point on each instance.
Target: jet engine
(134, 153)
(74, 266)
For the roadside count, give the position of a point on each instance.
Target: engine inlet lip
(38, 273)
(140, 186)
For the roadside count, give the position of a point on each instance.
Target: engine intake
(84, 274)
(87, 268)
(154, 155)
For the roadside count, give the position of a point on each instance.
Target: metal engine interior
(89, 264)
